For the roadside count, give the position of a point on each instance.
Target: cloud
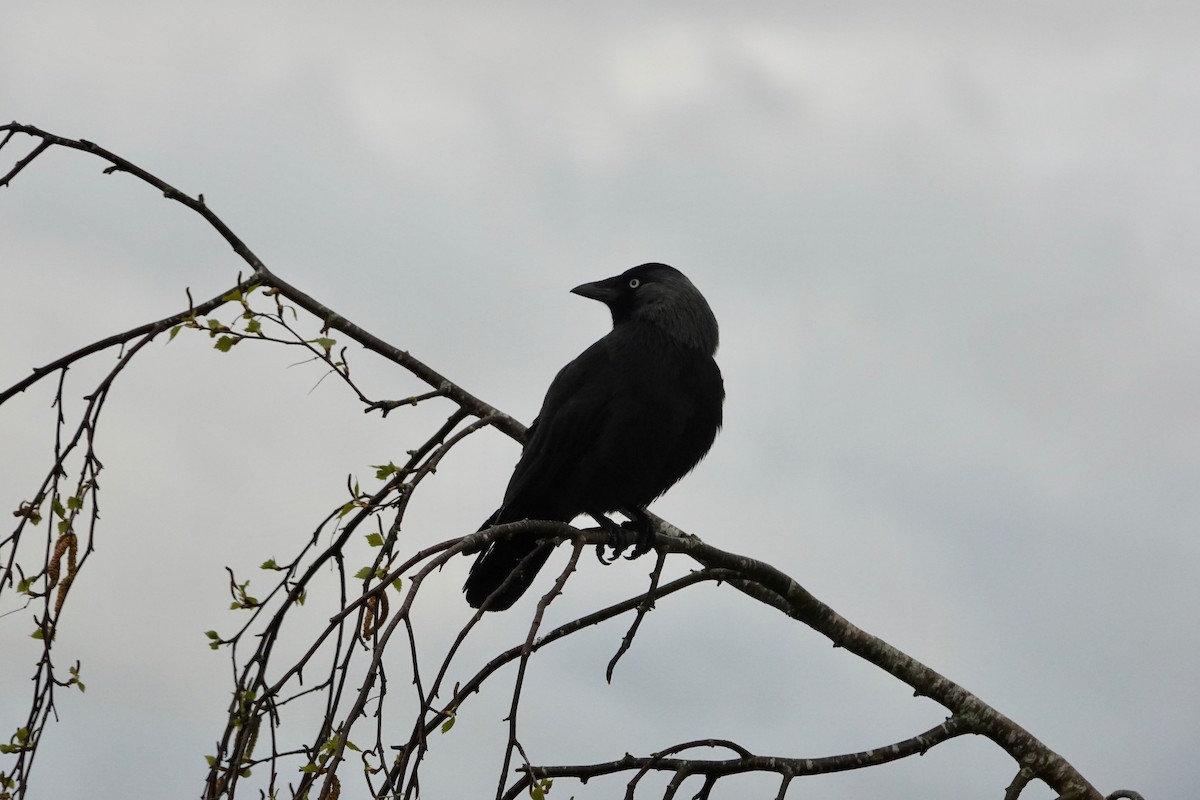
(951, 248)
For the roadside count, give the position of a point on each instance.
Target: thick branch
(768, 584)
(331, 319)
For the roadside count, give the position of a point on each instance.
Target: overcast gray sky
(952, 247)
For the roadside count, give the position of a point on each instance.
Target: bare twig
(747, 762)
(643, 609)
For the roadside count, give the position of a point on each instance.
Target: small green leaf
(231, 297)
(38, 634)
(212, 634)
(363, 573)
(22, 734)
(253, 326)
(346, 509)
(375, 540)
(269, 564)
(74, 503)
(309, 768)
(64, 525)
(398, 584)
(539, 790)
(324, 342)
(351, 745)
(212, 760)
(214, 645)
(303, 596)
(383, 471)
(174, 333)
(23, 586)
(225, 343)
(57, 507)
(245, 773)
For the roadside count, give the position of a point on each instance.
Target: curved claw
(600, 554)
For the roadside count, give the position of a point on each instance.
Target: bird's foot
(619, 539)
(644, 535)
(636, 533)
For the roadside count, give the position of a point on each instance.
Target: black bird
(619, 426)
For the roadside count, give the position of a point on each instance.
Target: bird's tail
(521, 558)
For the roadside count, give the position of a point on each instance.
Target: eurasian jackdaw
(619, 426)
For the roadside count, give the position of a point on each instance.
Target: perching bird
(619, 426)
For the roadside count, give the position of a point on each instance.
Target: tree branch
(783, 766)
(757, 576)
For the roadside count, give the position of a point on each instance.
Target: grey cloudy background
(953, 250)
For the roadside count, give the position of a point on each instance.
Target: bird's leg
(640, 523)
(618, 537)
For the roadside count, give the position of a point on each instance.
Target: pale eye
(634, 283)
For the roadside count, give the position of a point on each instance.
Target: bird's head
(659, 295)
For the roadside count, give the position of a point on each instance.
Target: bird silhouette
(620, 424)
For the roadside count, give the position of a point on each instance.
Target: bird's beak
(605, 291)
